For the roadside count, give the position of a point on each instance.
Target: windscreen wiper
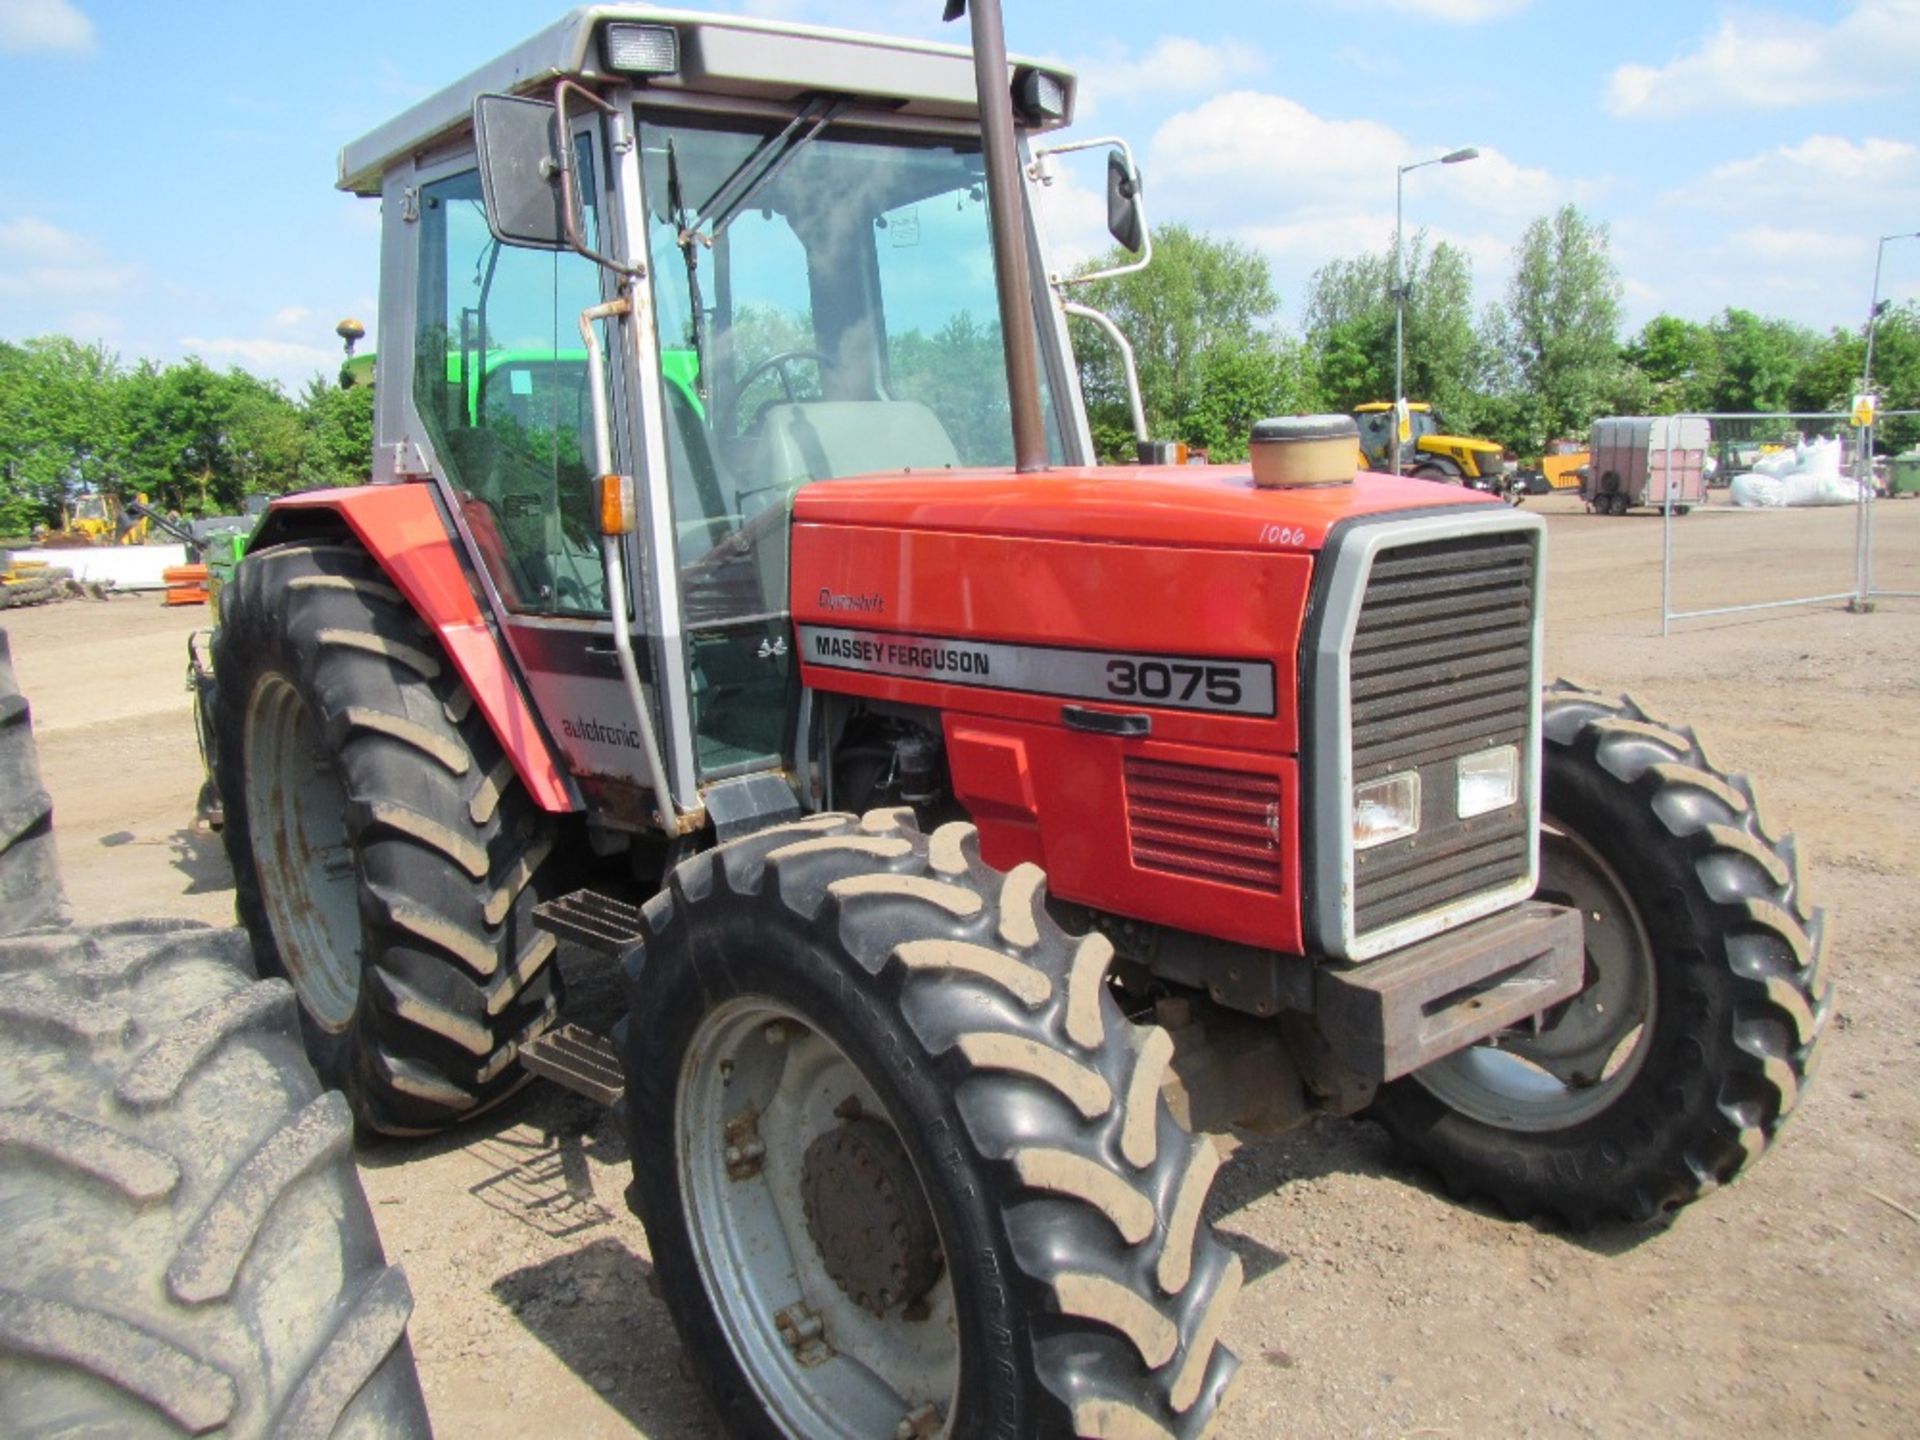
(765, 162)
(690, 242)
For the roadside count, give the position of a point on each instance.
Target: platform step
(579, 1060)
(586, 917)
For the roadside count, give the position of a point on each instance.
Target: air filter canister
(1305, 450)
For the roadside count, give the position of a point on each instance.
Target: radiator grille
(1205, 824)
(1442, 666)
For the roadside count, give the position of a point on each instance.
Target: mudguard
(402, 528)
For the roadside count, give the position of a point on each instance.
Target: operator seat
(828, 439)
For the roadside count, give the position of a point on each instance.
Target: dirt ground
(1788, 1305)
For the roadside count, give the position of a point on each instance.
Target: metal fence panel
(1739, 438)
(1869, 586)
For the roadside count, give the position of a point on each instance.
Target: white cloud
(1763, 60)
(1248, 148)
(30, 238)
(290, 316)
(275, 357)
(41, 261)
(1174, 65)
(1824, 177)
(1448, 12)
(33, 25)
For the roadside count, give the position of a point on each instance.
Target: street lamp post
(1863, 461)
(1873, 310)
(1452, 157)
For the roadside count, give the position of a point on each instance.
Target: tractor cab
(798, 229)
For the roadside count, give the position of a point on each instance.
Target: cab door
(499, 391)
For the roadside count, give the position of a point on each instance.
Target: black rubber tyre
(30, 893)
(1092, 1293)
(188, 1248)
(439, 852)
(1737, 1000)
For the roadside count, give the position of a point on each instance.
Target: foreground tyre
(386, 858)
(30, 892)
(188, 1248)
(903, 1164)
(1695, 1035)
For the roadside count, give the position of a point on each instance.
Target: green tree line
(75, 420)
(1544, 361)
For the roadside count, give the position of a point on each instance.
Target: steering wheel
(777, 363)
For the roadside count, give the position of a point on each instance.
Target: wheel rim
(1571, 1063)
(297, 818)
(761, 1095)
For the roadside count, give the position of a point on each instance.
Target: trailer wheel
(903, 1164)
(1696, 1033)
(386, 858)
(29, 870)
(188, 1248)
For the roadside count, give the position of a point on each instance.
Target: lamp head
(1456, 156)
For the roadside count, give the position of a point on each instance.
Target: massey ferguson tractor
(737, 599)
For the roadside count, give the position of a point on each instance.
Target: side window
(500, 380)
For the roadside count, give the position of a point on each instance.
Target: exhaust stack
(1006, 216)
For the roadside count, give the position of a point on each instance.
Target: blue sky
(166, 181)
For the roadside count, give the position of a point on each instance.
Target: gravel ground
(1375, 1306)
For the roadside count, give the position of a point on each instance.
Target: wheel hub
(868, 1216)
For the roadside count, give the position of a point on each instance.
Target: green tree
(1349, 326)
(60, 428)
(1760, 360)
(1200, 294)
(1680, 360)
(339, 426)
(1557, 330)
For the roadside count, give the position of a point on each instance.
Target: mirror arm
(1146, 231)
(1113, 333)
(563, 164)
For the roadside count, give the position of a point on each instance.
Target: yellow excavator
(1427, 451)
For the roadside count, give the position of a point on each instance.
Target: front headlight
(1486, 780)
(1386, 809)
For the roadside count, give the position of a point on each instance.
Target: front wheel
(903, 1164)
(1694, 1037)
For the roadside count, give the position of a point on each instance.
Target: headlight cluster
(1388, 808)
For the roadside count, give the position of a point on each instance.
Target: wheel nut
(775, 1033)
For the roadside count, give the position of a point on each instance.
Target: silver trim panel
(1331, 892)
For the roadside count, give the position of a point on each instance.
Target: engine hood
(1198, 506)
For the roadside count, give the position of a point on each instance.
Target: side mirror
(520, 171)
(1124, 221)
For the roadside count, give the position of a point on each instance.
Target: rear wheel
(386, 857)
(1695, 1035)
(903, 1164)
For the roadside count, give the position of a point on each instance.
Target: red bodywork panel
(402, 528)
(1188, 562)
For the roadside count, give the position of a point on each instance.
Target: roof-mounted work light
(1039, 96)
(643, 49)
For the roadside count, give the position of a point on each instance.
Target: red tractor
(738, 599)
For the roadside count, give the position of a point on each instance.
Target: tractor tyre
(30, 893)
(1439, 474)
(188, 1248)
(1695, 1035)
(386, 857)
(903, 1164)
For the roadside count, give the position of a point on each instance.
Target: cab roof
(719, 55)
